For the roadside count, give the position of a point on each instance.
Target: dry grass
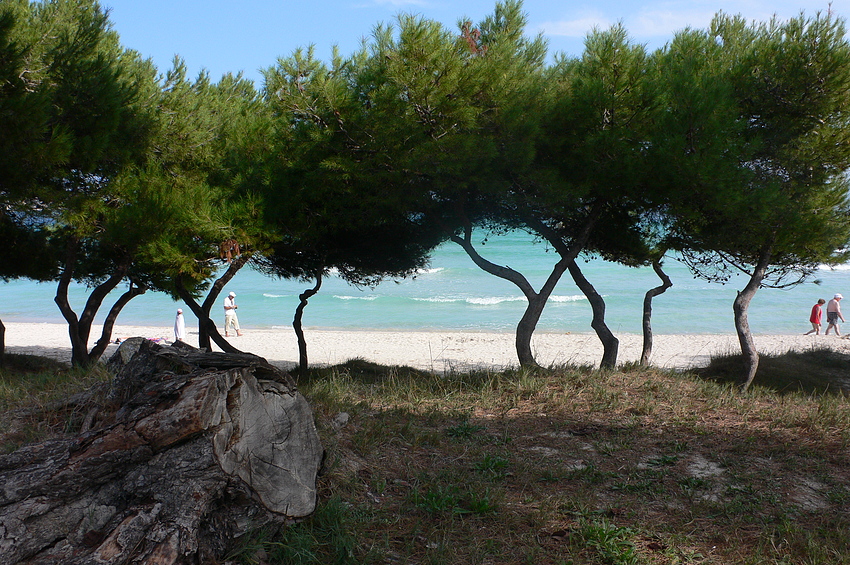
(577, 466)
(815, 370)
(569, 466)
(40, 398)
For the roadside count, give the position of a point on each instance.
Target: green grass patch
(464, 430)
(611, 544)
(325, 537)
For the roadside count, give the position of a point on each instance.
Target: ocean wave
(269, 295)
(478, 301)
(492, 300)
(340, 297)
(843, 267)
(430, 271)
(573, 298)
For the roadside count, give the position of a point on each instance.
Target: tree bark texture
(180, 455)
(610, 344)
(646, 352)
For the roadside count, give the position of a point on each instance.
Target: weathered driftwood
(188, 451)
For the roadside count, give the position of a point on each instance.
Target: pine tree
(762, 188)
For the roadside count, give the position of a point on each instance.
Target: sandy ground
(434, 351)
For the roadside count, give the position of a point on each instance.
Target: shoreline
(436, 351)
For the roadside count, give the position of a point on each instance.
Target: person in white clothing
(230, 319)
(179, 326)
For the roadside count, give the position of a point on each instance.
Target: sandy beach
(434, 351)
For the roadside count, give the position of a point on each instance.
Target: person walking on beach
(230, 319)
(833, 314)
(815, 318)
(180, 326)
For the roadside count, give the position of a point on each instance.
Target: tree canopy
(763, 153)
(730, 145)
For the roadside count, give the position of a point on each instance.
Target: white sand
(435, 351)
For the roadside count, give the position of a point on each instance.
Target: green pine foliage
(728, 145)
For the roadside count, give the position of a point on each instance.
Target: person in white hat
(179, 326)
(230, 319)
(833, 314)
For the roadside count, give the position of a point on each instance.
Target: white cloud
(661, 19)
(578, 27)
(664, 23)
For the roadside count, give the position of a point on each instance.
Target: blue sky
(248, 35)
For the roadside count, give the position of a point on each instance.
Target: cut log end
(189, 451)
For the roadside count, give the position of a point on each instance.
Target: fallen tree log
(185, 452)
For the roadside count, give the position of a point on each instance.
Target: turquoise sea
(454, 294)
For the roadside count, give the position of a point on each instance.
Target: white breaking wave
(493, 300)
(337, 296)
(482, 301)
(573, 298)
(267, 295)
(489, 301)
(430, 271)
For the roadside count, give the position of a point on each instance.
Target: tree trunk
(646, 352)
(740, 308)
(536, 300)
(79, 329)
(208, 329)
(187, 451)
(2, 344)
(528, 323)
(296, 323)
(136, 289)
(610, 344)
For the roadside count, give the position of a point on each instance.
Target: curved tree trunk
(742, 325)
(136, 289)
(536, 300)
(206, 326)
(610, 344)
(207, 329)
(296, 323)
(646, 352)
(79, 329)
(528, 323)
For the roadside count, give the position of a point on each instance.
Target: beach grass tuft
(40, 398)
(815, 370)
